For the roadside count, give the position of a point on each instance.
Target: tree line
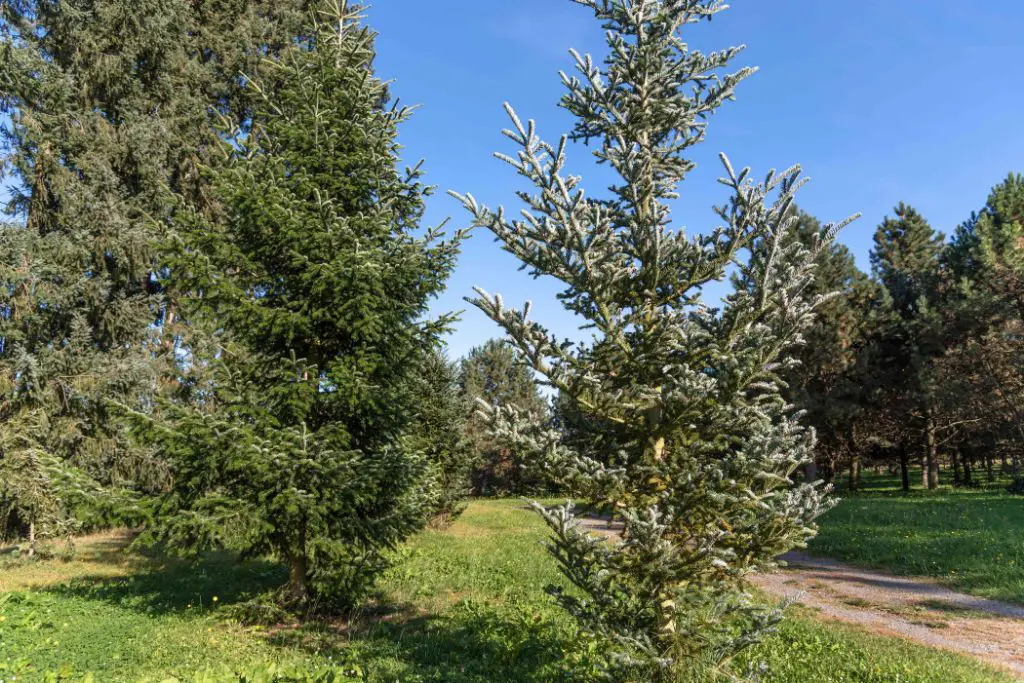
(919, 363)
(215, 285)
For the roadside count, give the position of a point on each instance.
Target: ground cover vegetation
(464, 604)
(214, 292)
(968, 538)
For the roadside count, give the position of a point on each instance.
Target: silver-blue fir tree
(692, 444)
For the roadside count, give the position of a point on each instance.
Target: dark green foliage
(828, 382)
(106, 119)
(492, 374)
(441, 433)
(298, 437)
(909, 334)
(983, 379)
(987, 256)
(905, 259)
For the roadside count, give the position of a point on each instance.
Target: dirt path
(912, 608)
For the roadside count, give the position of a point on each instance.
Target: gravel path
(912, 608)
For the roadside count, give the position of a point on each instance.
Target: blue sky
(880, 101)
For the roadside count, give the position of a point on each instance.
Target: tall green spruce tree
(105, 118)
(297, 438)
(491, 375)
(906, 260)
(706, 444)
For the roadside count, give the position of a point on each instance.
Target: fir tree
(299, 439)
(491, 376)
(705, 445)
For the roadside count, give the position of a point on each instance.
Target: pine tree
(705, 445)
(491, 374)
(986, 257)
(828, 383)
(299, 439)
(906, 260)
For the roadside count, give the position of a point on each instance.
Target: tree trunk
(31, 539)
(988, 465)
(855, 461)
(905, 468)
(854, 471)
(957, 478)
(298, 571)
(966, 456)
(931, 453)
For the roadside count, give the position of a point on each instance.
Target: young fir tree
(706, 444)
(906, 260)
(491, 375)
(298, 438)
(105, 118)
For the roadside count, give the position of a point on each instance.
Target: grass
(968, 539)
(464, 605)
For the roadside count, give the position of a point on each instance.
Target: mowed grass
(461, 605)
(969, 539)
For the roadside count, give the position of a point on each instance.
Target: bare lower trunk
(931, 473)
(958, 479)
(298, 586)
(904, 468)
(298, 571)
(967, 468)
(31, 539)
(854, 471)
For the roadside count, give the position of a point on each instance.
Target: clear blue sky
(879, 101)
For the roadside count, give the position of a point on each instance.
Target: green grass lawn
(970, 539)
(462, 605)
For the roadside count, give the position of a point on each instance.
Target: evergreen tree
(299, 439)
(441, 433)
(106, 118)
(983, 383)
(987, 256)
(706, 444)
(491, 375)
(828, 383)
(906, 260)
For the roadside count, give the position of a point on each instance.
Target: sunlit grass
(970, 539)
(462, 605)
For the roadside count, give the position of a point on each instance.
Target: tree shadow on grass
(168, 585)
(469, 643)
